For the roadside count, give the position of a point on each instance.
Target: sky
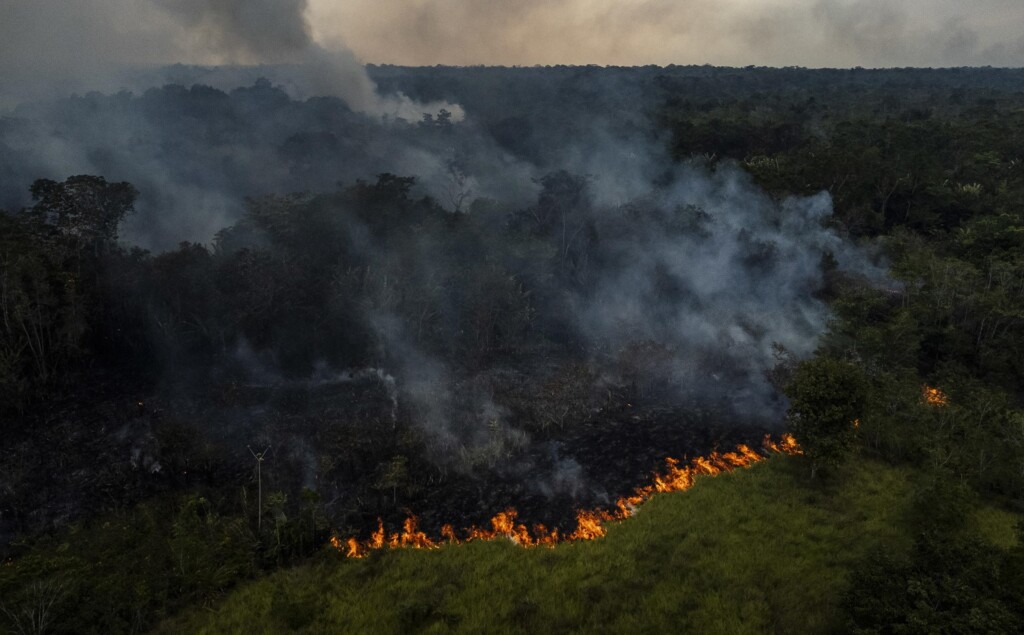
(71, 39)
(813, 33)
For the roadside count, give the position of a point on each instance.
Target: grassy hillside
(756, 550)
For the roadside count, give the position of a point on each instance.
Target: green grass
(998, 526)
(758, 550)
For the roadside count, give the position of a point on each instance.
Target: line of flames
(590, 524)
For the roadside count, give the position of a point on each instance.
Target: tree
(950, 581)
(84, 207)
(392, 475)
(36, 611)
(51, 274)
(826, 397)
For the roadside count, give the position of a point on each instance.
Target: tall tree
(827, 397)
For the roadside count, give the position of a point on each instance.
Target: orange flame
(933, 396)
(448, 532)
(354, 548)
(590, 524)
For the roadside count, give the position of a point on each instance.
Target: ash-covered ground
(345, 443)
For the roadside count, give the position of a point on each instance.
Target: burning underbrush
(352, 448)
(590, 524)
(933, 396)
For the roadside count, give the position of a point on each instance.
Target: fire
(448, 532)
(590, 524)
(353, 548)
(933, 396)
(786, 445)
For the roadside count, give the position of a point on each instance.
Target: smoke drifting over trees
(427, 296)
(475, 274)
(275, 31)
(513, 242)
(53, 39)
(53, 48)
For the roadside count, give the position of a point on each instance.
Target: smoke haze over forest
(75, 43)
(279, 277)
(546, 243)
(683, 279)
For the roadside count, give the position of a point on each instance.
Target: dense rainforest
(258, 322)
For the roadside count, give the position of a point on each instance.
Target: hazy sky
(730, 32)
(74, 38)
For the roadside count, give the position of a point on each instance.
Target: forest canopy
(528, 305)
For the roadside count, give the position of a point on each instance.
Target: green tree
(392, 475)
(826, 397)
(50, 278)
(209, 552)
(950, 581)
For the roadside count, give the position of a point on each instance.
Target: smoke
(676, 285)
(246, 30)
(194, 172)
(276, 31)
(690, 278)
(675, 282)
(52, 47)
(698, 283)
(724, 32)
(196, 154)
(684, 282)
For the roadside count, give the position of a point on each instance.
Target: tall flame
(590, 524)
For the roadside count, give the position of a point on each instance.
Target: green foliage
(209, 552)
(826, 397)
(50, 270)
(943, 587)
(392, 475)
(757, 550)
(930, 174)
(951, 580)
(124, 572)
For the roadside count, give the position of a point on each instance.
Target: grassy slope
(753, 551)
